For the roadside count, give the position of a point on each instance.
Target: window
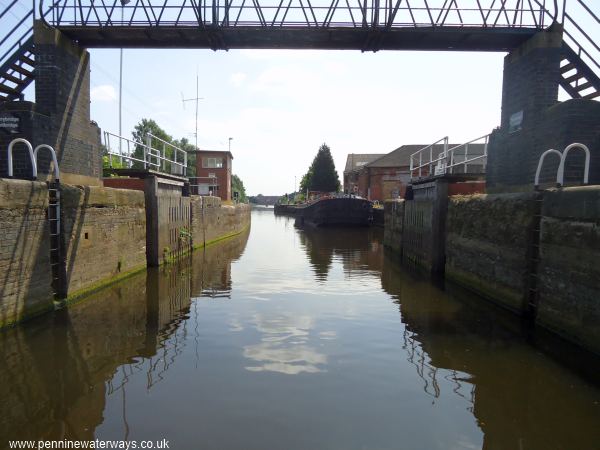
(212, 163)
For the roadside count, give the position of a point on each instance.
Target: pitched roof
(401, 156)
(355, 161)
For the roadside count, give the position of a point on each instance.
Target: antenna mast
(197, 99)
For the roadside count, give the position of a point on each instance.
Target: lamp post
(123, 3)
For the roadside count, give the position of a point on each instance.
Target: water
(286, 339)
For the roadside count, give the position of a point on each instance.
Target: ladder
(57, 261)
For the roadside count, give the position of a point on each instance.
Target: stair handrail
(54, 160)
(560, 178)
(31, 156)
(536, 182)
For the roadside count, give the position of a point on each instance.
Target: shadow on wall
(25, 270)
(60, 370)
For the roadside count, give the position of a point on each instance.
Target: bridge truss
(368, 25)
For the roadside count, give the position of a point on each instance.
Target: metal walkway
(367, 25)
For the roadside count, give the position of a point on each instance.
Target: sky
(279, 106)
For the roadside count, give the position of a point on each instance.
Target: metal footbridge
(366, 25)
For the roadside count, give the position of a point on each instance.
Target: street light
(123, 3)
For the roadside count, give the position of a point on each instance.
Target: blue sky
(280, 106)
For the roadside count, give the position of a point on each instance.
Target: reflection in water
(203, 351)
(57, 371)
(357, 248)
(284, 345)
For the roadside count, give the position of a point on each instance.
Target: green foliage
(185, 144)
(306, 180)
(321, 175)
(146, 126)
(238, 186)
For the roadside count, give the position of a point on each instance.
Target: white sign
(9, 123)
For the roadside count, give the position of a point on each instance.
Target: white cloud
(237, 79)
(103, 93)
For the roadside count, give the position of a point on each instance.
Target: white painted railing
(52, 154)
(176, 165)
(466, 154)
(31, 157)
(423, 158)
(560, 173)
(428, 162)
(151, 158)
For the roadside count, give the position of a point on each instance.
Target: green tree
(186, 145)
(139, 134)
(238, 186)
(321, 175)
(306, 180)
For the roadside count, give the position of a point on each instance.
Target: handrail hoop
(560, 178)
(536, 182)
(54, 160)
(31, 156)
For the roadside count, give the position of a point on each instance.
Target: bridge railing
(297, 13)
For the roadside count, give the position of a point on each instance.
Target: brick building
(354, 162)
(213, 174)
(386, 176)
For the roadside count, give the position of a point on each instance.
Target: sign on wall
(9, 123)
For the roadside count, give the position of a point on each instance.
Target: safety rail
(52, 155)
(129, 152)
(459, 155)
(197, 182)
(560, 173)
(176, 150)
(424, 158)
(318, 13)
(11, 146)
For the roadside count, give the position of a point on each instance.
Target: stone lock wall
(488, 245)
(25, 271)
(534, 253)
(393, 221)
(104, 233)
(212, 221)
(569, 269)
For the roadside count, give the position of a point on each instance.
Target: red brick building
(380, 177)
(355, 162)
(213, 174)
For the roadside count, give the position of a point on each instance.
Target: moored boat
(334, 211)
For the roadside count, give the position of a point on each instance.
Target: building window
(212, 163)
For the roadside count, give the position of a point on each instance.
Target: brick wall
(25, 271)
(105, 234)
(530, 86)
(61, 115)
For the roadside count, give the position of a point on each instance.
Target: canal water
(288, 339)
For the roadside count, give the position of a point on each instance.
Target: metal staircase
(16, 46)
(17, 72)
(580, 70)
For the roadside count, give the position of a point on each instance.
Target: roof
(355, 161)
(401, 156)
(204, 150)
